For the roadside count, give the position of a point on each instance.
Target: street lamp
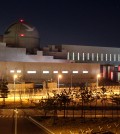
(14, 77)
(59, 76)
(15, 110)
(71, 81)
(98, 76)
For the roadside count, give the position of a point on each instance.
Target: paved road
(24, 125)
(27, 127)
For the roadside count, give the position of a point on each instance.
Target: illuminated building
(20, 52)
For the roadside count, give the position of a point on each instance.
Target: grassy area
(78, 125)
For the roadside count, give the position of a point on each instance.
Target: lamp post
(14, 77)
(71, 82)
(15, 110)
(98, 76)
(59, 76)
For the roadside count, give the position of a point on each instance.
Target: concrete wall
(39, 76)
(19, 55)
(109, 54)
(20, 86)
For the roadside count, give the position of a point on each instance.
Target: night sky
(75, 22)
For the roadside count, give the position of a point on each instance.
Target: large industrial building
(20, 53)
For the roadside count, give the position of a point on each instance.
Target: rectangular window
(110, 57)
(78, 56)
(119, 68)
(75, 72)
(12, 71)
(18, 71)
(64, 72)
(45, 72)
(92, 56)
(88, 56)
(111, 75)
(106, 57)
(101, 57)
(73, 56)
(55, 72)
(31, 72)
(97, 57)
(85, 72)
(83, 56)
(114, 57)
(68, 56)
(118, 57)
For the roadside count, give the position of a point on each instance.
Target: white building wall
(19, 55)
(109, 54)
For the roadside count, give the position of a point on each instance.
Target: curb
(40, 125)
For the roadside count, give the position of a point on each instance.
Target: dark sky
(79, 22)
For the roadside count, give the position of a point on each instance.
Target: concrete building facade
(76, 63)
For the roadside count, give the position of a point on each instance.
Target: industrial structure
(20, 53)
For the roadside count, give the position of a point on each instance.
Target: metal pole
(59, 76)
(97, 81)
(33, 94)
(58, 83)
(15, 110)
(71, 81)
(14, 92)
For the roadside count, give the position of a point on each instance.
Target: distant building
(20, 53)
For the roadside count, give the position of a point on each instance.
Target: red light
(22, 35)
(21, 20)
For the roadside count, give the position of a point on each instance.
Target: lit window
(88, 56)
(85, 72)
(83, 56)
(114, 57)
(78, 56)
(75, 72)
(55, 72)
(12, 71)
(101, 57)
(92, 56)
(31, 72)
(111, 75)
(68, 56)
(18, 71)
(106, 57)
(45, 72)
(97, 56)
(64, 72)
(119, 68)
(73, 56)
(118, 57)
(110, 57)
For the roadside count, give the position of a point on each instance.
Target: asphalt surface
(24, 125)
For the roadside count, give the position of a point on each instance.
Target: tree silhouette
(103, 100)
(63, 101)
(3, 90)
(103, 90)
